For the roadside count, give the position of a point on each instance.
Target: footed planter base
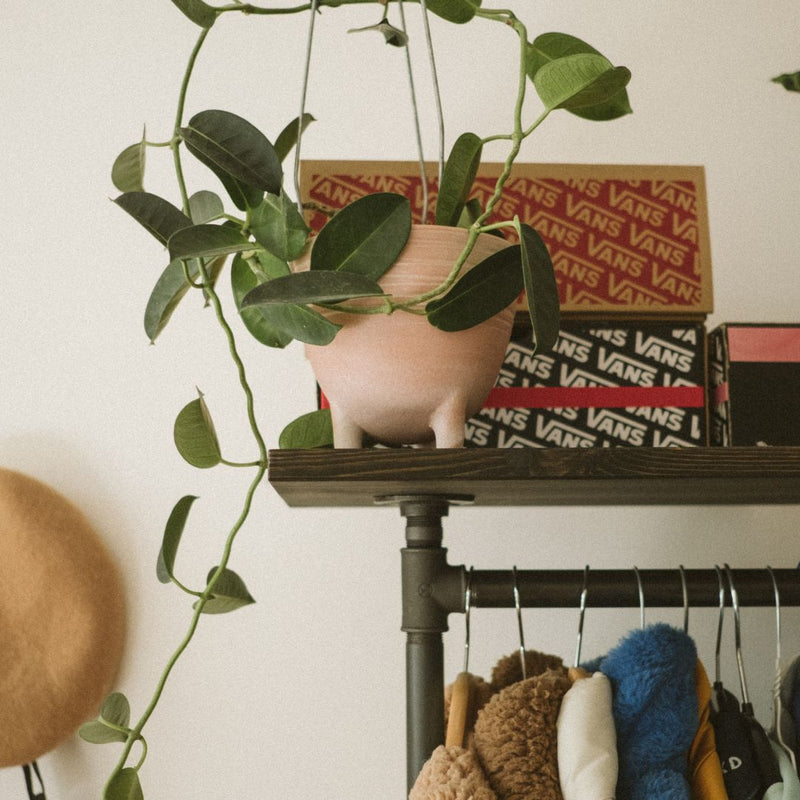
(398, 379)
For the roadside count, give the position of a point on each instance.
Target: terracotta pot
(396, 377)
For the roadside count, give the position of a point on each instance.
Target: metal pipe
(616, 588)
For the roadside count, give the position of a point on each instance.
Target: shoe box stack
(633, 364)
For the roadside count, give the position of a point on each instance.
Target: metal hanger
(582, 613)
(467, 608)
(685, 590)
(641, 596)
(766, 762)
(731, 728)
(461, 695)
(519, 625)
(777, 706)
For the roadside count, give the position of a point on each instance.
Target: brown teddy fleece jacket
(512, 752)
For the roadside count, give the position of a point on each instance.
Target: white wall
(302, 694)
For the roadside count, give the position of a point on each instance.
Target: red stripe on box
(596, 397)
(720, 394)
(764, 344)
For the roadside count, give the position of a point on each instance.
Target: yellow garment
(704, 764)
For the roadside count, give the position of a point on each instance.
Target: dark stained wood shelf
(550, 476)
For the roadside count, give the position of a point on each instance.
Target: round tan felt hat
(62, 619)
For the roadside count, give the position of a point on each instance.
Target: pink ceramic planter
(396, 377)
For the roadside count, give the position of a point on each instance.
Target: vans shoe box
(604, 384)
(754, 372)
(627, 240)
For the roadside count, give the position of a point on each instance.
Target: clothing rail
(432, 589)
(618, 588)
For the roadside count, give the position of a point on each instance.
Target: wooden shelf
(552, 476)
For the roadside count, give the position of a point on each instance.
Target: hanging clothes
(453, 770)
(707, 779)
(515, 737)
(511, 753)
(789, 786)
(652, 672)
(787, 709)
(586, 739)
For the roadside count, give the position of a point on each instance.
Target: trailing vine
(268, 231)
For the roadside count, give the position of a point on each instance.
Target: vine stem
(135, 733)
(176, 137)
(210, 292)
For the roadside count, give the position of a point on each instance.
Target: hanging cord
(518, 606)
(582, 612)
(303, 94)
(28, 770)
(435, 78)
(415, 109)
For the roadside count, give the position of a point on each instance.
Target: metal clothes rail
(424, 483)
(432, 589)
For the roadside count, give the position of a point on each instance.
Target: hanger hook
(519, 625)
(582, 612)
(685, 590)
(720, 620)
(776, 685)
(641, 596)
(737, 628)
(777, 594)
(467, 607)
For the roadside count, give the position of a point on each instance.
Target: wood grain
(553, 476)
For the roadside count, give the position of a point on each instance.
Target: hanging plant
(259, 229)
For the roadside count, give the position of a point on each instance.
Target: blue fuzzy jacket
(655, 711)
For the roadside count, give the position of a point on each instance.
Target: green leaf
(197, 11)
(172, 537)
(541, 289)
(458, 11)
(158, 216)
(116, 710)
(237, 152)
(322, 286)
(307, 431)
(301, 323)
(243, 280)
(112, 723)
(207, 241)
(364, 237)
(195, 436)
(98, 732)
(457, 178)
(789, 80)
(550, 46)
(171, 287)
(279, 226)
(488, 288)
(228, 594)
(583, 79)
(125, 784)
(288, 137)
(127, 173)
(205, 206)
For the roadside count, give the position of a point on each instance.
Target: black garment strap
(26, 769)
